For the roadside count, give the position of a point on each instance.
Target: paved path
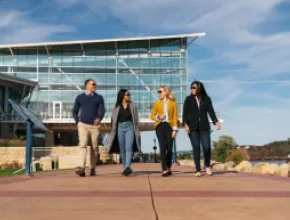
(145, 195)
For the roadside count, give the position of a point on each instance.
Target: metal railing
(39, 154)
(68, 118)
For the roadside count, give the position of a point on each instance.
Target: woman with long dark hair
(165, 115)
(125, 134)
(196, 108)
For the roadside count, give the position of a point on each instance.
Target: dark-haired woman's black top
(124, 114)
(197, 117)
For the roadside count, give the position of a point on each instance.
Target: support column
(6, 97)
(49, 138)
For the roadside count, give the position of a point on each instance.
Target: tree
(223, 147)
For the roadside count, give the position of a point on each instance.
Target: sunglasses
(94, 84)
(128, 94)
(159, 91)
(193, 87)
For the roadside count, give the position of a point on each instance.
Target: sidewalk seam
(152, 197)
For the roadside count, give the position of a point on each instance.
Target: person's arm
(175, 117)
(76, 109)
(211, 112)
(101, 109)
(185, 112)
(154, 116)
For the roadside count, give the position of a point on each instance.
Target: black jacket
(197, 118)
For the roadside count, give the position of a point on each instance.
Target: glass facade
(140, 66)
(2, 90)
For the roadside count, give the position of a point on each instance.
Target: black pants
(164, 136)
(200, 137)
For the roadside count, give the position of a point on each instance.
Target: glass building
(19, 90)
(138, 64)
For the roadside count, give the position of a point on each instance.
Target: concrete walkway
(145, 195)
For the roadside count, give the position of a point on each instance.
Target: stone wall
(11, 154)
(67, 157)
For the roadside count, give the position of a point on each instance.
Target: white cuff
(175, 128)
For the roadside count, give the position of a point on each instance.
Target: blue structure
(31, 122)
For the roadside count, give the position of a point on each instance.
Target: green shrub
(38, 167)
(237, 157)
(12, 142)
(11, 166)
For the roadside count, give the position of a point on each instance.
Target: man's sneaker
(93, 172)
(81, 172)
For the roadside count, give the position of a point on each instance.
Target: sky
(243, 60)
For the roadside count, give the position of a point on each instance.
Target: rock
(244, 166)
(115, 158)
(45, 163)
(284, 170)
(229, 165)
(218, 166)
(186, 162)
(105, 157)
(261, 168)
(274, 169)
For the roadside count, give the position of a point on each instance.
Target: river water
(279, 162)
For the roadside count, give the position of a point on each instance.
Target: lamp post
(174, 152)
(155, 148)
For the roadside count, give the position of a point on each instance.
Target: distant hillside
(276, 150)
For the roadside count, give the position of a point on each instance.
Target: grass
(9, 172)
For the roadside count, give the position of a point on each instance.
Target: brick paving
(145, 194)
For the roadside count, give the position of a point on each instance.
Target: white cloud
(16, 27)
(9, 18)
(234, 23)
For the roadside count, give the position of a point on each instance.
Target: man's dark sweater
(92, 107)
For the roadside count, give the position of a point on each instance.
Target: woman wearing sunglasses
(125, 134)
(164, 114)
(196, 108)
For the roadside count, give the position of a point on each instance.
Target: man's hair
(88, 80)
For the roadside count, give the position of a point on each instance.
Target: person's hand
(218, 126)
(161, 117)
(186, 128)
(97, 121)
(174, 133)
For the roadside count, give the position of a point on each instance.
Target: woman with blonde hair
(165, 115)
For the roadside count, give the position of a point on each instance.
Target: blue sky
(243, 60)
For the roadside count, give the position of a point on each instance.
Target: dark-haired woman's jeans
(126, 140)
(203, 138)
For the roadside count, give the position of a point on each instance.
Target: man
(92, 112)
